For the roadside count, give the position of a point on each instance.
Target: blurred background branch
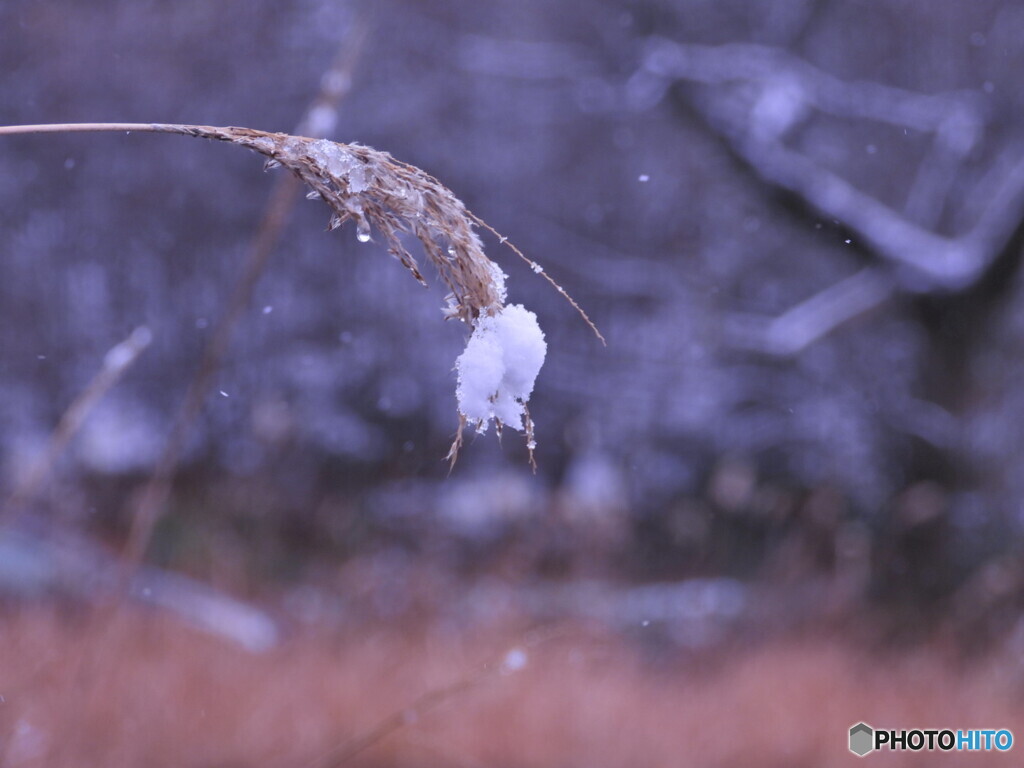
(765, 94)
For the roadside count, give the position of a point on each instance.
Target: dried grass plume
(393, 199)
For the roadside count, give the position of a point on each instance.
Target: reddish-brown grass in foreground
(162, 695)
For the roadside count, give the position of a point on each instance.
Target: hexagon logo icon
(862, 738)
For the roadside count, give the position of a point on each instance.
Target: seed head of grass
(393, 199)
(387, 198)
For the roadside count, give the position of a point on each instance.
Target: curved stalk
(98, 127)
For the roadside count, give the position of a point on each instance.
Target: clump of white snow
(499, 367)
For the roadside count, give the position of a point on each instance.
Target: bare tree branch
(800, 326)
(787, 89)
(957, 114)
(116, 363)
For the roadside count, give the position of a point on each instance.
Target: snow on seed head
(498, 369)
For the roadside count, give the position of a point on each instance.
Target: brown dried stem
(366, 186)
(510, 662)
(377, 192)
(318, 118)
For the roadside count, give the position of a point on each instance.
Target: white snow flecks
(498, 278)
(515, 660)
(499, 366)
(343, 166)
